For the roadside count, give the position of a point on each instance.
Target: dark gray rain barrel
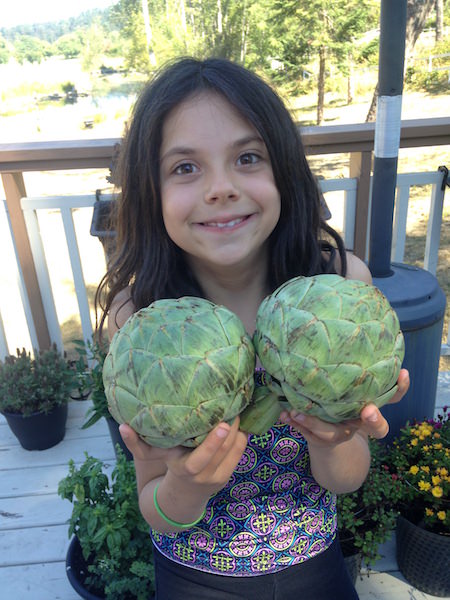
(419, 303)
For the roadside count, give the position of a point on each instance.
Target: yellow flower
(426, 448)
(429, 512)
(414, 442)
(425, 429)
(437, 491)
(436, 479)
(441, 515)
(442, 471)
(437, 435)
(425, 468)
(437, 446)
(414, 470)
(424, 485)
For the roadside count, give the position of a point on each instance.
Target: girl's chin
(225, 261)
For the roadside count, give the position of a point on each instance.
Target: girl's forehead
(206, 114)
(201, 105)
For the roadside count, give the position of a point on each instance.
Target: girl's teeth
(222, 225)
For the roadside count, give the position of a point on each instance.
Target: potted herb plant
(34, 395)
(80, 365)
(95, 355)
(420, 458)
(367, 516)
(110, 553)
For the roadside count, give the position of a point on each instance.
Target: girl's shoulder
(356, 268)
(122, 307)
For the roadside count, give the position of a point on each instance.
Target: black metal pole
(387, 133)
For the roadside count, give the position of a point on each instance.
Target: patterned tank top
(271, 514)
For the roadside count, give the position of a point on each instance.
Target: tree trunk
(148, 32)
(417, 12)
(321, 85)
(350, 78)
(372, 114)
(183, 16)
(219, 17)
(439, 20)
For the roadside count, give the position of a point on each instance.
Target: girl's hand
(138, 448)
(371, 422)
(210, 465)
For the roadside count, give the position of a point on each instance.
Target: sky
(21, 12)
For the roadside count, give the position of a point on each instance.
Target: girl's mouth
(225, 224)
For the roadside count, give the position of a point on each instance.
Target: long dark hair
(146, 258)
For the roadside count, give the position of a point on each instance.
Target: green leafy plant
(367, 516)
(94, 355)
(420, 458)
(29, 385)
(113, 535)
(82, 371)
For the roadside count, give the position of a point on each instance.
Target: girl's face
(219, 199)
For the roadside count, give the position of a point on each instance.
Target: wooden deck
(33, 519)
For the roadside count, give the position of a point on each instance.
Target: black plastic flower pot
(77, 571)
(423, 558)
(39, 431)
(116, 438)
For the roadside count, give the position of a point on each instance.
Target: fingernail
(299, 417)
(372, 416)
(222, 432)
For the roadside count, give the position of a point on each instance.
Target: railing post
(14, 187)
(360, 168)
(435, 222)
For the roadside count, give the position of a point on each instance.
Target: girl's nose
(221, 189)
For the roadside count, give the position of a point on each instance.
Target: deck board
(33, 519)
(37, 582)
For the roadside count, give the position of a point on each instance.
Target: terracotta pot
(39, 431)
(423, 557)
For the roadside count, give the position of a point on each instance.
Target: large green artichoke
(330, 346)
(177, 368)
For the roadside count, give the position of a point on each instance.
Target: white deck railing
(66, 204)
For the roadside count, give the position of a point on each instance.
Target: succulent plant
(177, 368)
(330, 346)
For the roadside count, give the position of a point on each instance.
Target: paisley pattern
(270, 515)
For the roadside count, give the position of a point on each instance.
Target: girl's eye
(248, 158)
(185, 169)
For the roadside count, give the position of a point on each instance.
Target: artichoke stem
(262, 413)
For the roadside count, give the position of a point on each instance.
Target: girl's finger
(138, 448)
(322, 430)
(211, 450)
(373, 422)
(403, 386)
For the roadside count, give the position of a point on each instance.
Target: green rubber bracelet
(170, 521)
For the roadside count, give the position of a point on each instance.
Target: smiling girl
(218, 201)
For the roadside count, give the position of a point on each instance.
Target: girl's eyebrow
(184, 150)
(188, 151)
(248, 139)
